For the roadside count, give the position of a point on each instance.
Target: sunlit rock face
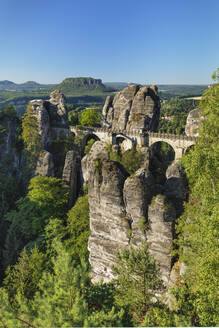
(109, 228)
(137, 193)
(193, 122)
(134, 107)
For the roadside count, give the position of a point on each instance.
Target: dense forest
(45, 280)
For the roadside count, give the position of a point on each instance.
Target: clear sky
(144, 41)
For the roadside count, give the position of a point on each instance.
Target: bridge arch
(87, 138)
(161, 156)
(124, 141)
(188, 149)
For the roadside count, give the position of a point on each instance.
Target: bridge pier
(178, 153)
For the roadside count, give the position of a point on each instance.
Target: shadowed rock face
(137, 193)
(193, 122)
(71, 175)
(161, 215)
(134, 107)
(8, 135)
(109, 230)
(176, 183)
(45, 165)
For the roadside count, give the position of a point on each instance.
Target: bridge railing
(136, 132)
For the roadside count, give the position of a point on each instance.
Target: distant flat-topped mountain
(72, 84)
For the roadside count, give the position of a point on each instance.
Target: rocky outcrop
(137, 193)
(134, 107)
(193, 122)
(176, 185)
(97, 152)
(50, 114)
(10, 150)
(109, 227)
(56, 109)
(71, 175)
(161, 215)
(43, 121)
(45, 164)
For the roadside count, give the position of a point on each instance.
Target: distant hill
(181, 90)
(116, 85)
(80, 85)
(23, 87)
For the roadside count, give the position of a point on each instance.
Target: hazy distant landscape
(79, 92)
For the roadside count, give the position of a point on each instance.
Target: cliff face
(193, 122)
(10, 152)
(131, 209)
(128, 210)
(134, 107)
(51, 117)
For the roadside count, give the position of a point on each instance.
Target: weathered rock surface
(109, 229)
(45, 164)
(43, 121)
(134, 107)
(71, 175)
(56, 109)
(8, 150)
(51, 115)
(138, 192)
(176, 185)
(97, 151)
(161, 215)
(193, 122)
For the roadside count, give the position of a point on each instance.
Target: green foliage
(161, 316)
(142, 224)
(46, 197)
(137, 282)
(130, 159)
(78, 229)
(90, 117)
(198, 227)
(59, 147)
(30, 134)
(73, 117)
(65, 298)
(178, 108)
(8, 111)
(24, 276)
(89, 146)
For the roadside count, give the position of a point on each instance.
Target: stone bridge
(135, 137)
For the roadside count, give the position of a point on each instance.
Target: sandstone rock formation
(45, 164)
(176, 184)
(43, 120)
(51, 115)
(193, 122)
(97, 151)
(56, 109)
(134, 107)
(71, 175)
(109, 227)
(161, 215)
(137, 193)
(10, 155)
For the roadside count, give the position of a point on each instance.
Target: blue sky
(144, 41)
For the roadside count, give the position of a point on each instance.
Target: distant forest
(81, 92)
